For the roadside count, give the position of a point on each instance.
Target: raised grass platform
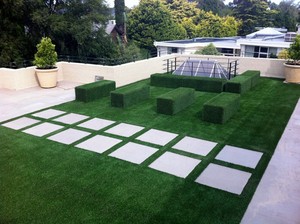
(221, 108)
(239, 84)
(175, 101)
(254, 75)
(93, 91)
(127, 96)
(198, 83)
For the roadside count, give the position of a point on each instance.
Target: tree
(208, 50)
(287, 16)
(253, 13)
(120, 19)
(216, 6)
(151, 21)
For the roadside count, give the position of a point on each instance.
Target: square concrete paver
(157, 137)
(20, 123)
(133, 152)
(43, 129)
(195, 145)
(125, 130)
(49, 113)
(98, 143)
(71, 118)
(177, 165)
(224, 178)
(69, 136)
(96, 124)
(239, 156)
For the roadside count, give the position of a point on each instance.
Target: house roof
(264, 32)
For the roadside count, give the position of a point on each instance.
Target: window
(260, 52)
(172, 50)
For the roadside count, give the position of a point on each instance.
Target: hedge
(254, 76)
(239, 84)
(127, 96)
(221, 108)
(198, 83)
(175, 101)
(95, 90)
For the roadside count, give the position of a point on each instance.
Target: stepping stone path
(96, 124)
(224, 178)
(157, 137)
(216, 176)
(239, 156)
(195, 146)
(98, 143)
(125, 130)
(175, 164)
(48, 113)
(134, 153)
(69, 136)
(20, 123)
(71, 118)
(43, 129)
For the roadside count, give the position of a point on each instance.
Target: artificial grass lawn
(47, 182)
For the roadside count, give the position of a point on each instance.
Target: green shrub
(198, 83)
(254, 76)
(127, 96)
(95, 90)
(221, 108)
(175, 101)
(239, 84)
(46, 56)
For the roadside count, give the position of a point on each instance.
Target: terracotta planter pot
(47, 77)
(292, 73)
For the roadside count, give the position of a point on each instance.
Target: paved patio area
(277, 197)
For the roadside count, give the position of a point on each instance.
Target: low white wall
(17, 79)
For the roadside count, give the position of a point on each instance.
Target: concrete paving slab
(224, 178)
(99, 143)
(174, 164)
(20, 123)
(239, 156)
(157, 137)
(125, 130)
(195, 145)
(71, 118)
(96, 124)
(43, 129)
(49, 113)
(134, 153)
(69, 136)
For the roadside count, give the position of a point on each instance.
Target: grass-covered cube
(127, 96)
(221, 108)
(254, 76)
(96, 90)
(239, 84)
(175, 101)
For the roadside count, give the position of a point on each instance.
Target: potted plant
(45, 60)
(292, 66)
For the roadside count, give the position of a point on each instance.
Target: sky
(131, 3)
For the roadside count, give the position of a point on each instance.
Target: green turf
(47, 182)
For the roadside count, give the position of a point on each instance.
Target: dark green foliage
(254, 76)
(93, 91)
(175, 101)
(221, 108)
(198, 83)
(239, 84)
(128, 96)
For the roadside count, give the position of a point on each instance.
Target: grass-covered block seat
(254, 74)
(198, 83)
(221, 108)
(96, 90)
(175, 101)
(127, 96)
(239, 84)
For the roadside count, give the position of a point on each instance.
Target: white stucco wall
(17, 79)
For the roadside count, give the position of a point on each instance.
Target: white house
(265, 43)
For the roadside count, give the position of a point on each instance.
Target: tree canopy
(151, 21)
